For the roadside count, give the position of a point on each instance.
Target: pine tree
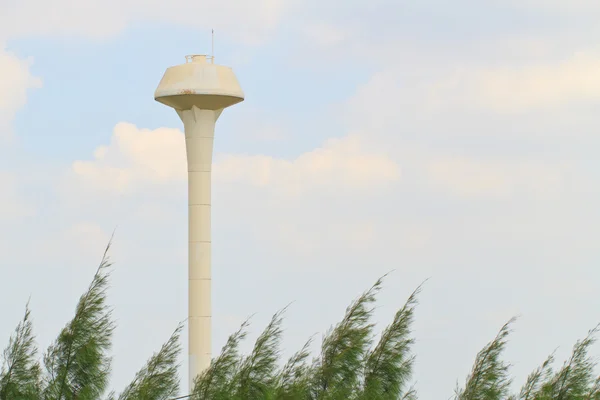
(351, 364)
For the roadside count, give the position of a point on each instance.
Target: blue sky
(456, 141)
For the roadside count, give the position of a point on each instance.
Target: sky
(455, 141)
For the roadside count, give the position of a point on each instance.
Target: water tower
(199, 90)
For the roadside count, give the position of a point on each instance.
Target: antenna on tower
(213, 46)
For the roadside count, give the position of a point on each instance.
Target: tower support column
(199, 137)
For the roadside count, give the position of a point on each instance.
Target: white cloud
(338, 163)
(307, 235)
(134, 157)
(503, 179)
(501, 68)
(248, 22)
(15, 81)
(572, 6)
(140, 156)
(518, 88)
(12, 204)
(446, 87)
(257, 124)
(325, 34)
(84, 238)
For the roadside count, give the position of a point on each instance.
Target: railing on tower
(191, 57)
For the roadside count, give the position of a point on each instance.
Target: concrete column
(199, 136)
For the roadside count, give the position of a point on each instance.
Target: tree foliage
(346, 367)
(158, 379)
(489, 379)
(20, 374)
(77, 363)
(352, 362)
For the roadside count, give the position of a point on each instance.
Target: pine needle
(344, 348)
(158, 379)
(575, 379)
(489, 378)
(257, 373)
(389, 365)
(532, 388)
(20, 374)
(77, 364)
(216, 383)
(294, 379)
